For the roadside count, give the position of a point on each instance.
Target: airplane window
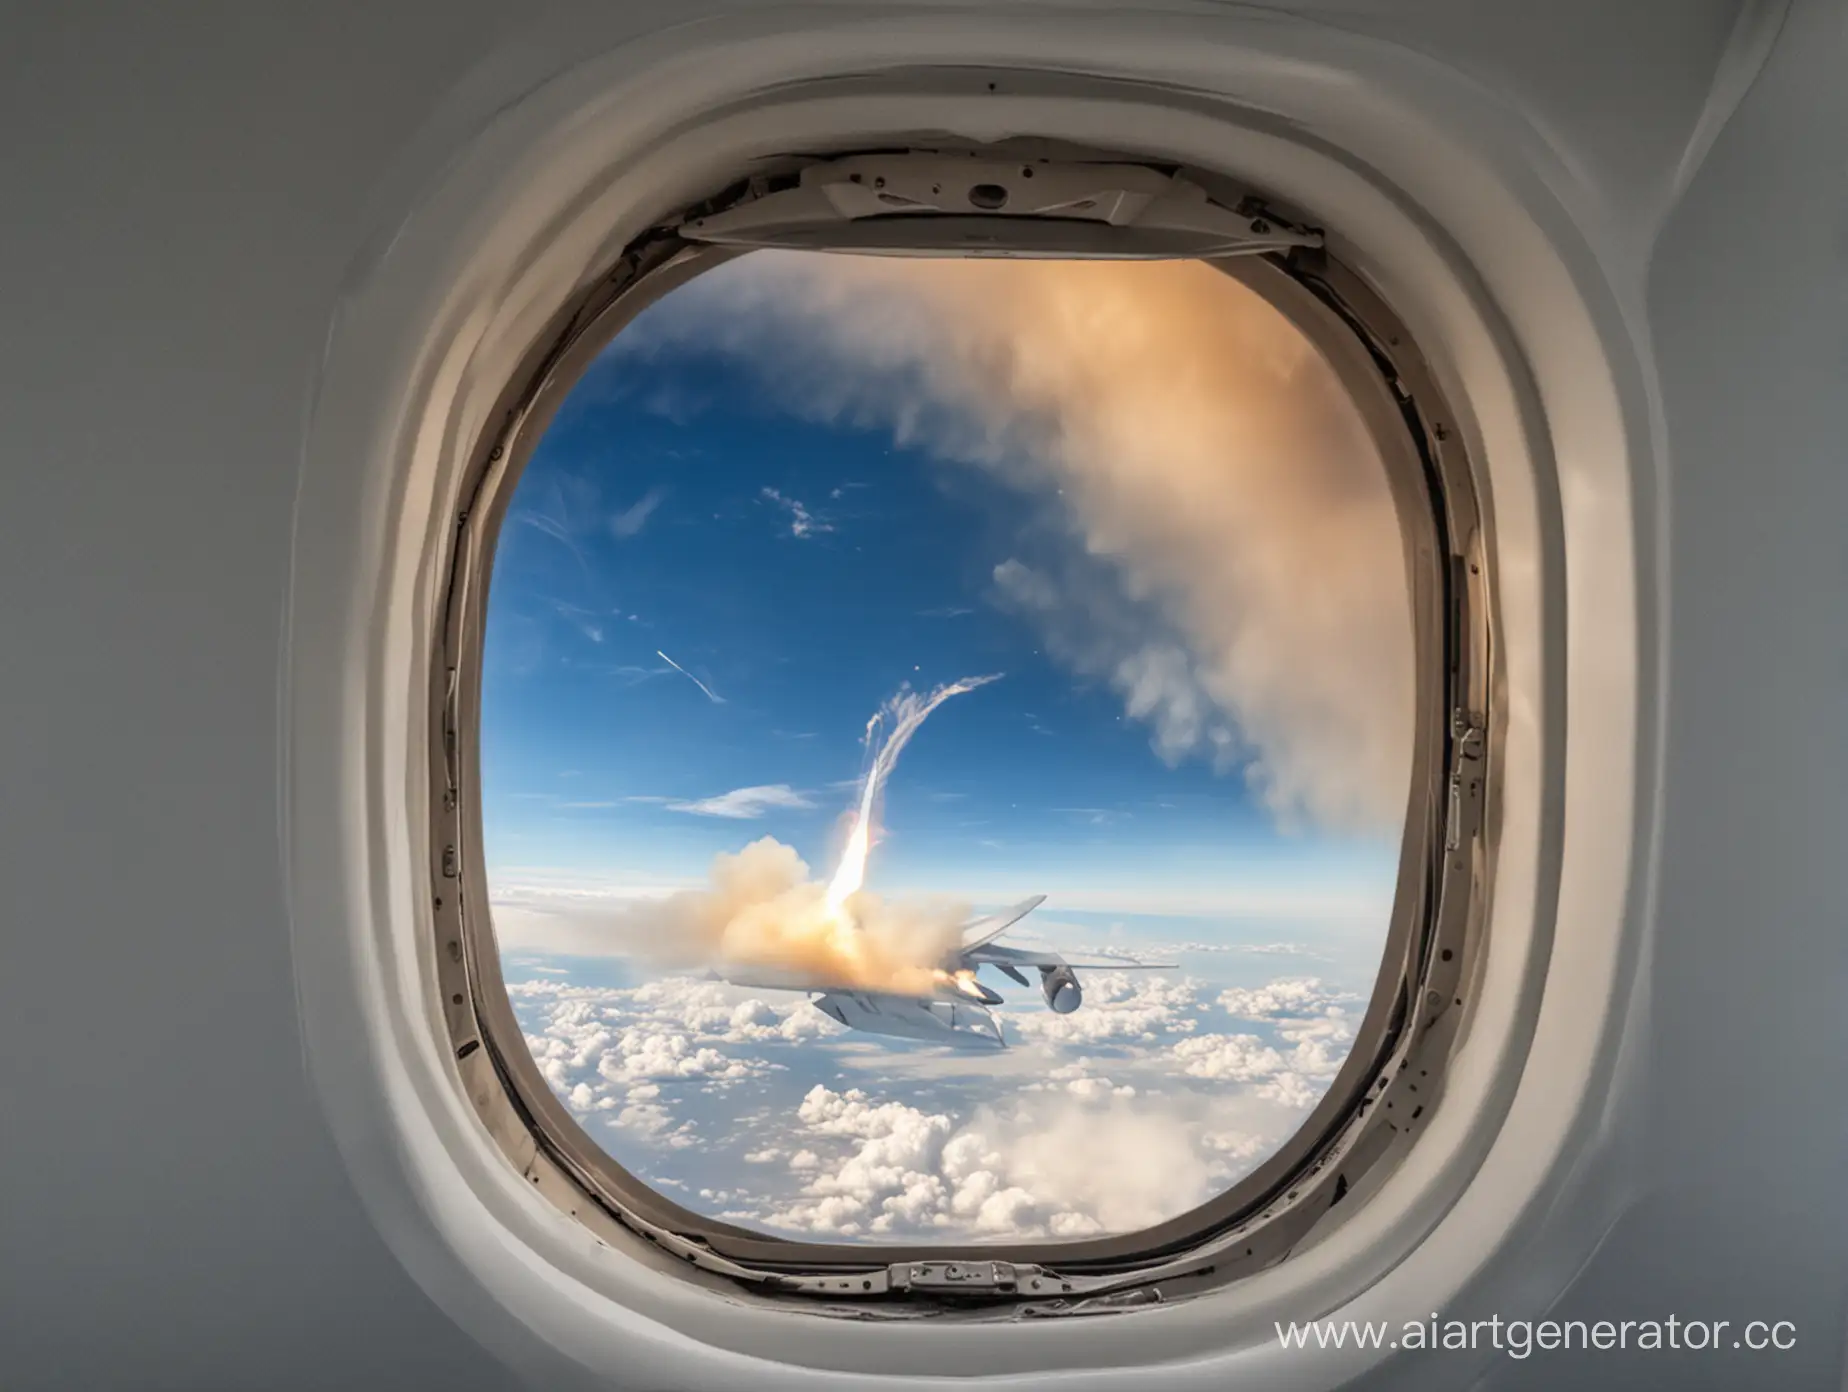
(946, 736)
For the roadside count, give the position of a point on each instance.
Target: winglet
(980, 930)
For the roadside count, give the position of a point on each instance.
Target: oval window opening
(947, 733)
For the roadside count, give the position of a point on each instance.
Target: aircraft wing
(993, 954)
(959, 1024)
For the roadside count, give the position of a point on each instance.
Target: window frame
(1392, 1078)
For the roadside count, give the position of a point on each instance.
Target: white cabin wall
(186, 186)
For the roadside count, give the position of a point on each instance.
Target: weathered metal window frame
(1379, 1102)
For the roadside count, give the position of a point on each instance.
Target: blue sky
(803, 571)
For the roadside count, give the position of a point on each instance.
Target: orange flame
(763, 914)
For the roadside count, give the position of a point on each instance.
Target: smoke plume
(1238, 574)
(763, 916)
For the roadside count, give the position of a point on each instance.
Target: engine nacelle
(1063, 994)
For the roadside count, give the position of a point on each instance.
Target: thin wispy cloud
(674, 402)
(948, 612)
(711, 695)
(802, 522)
(1092, 816)
(633, 675)
(745, 804)
(555, 529)
(587, 621)
(630, 521)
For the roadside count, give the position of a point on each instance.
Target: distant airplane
(957, 1012)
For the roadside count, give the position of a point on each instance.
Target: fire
(963, 981)
(851, 873)
(762, 913)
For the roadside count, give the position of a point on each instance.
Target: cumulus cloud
(1290, 1090)
(1203, 456)
(606, 1050)
(1060, 1169)
(1317, 1021)
(1117, 1008)
(739, 1099)
(1322, 1044)
(1242, 1057)
(1295, 995)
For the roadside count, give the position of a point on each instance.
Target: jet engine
(1063, 994)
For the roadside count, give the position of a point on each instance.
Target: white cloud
(1087, 623)
(1242, 1058)
(1322, 1044)
(586, 621)
(1107, 1127)
(1064, 1170)
(1116, 1008)
(1296, 995)
(640, 1053)
(1097, 1089)
(1292, 1090)
(802, 522)
(1306, 1014)
(606, 1049)
(744, 803)
(630, 521)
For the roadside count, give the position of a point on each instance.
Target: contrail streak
(907, 711)
(711, 696)
(556, 530)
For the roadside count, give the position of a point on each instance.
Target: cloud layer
(1238, 574)
(773, 1116)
